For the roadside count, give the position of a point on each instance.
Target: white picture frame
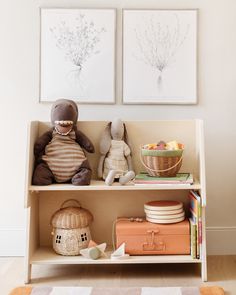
(77, 55)
(159, 56)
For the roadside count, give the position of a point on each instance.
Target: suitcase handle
(159, 246)
(156, 231)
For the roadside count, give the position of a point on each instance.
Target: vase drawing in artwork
(77, 54)
(77, 43)
(159, 56)
(158, 43)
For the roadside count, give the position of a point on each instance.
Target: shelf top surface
(100, 185)
(46, 255)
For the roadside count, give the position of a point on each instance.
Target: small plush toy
(115, 161)
(59, 155)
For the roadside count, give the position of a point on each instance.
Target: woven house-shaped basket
(71, 231)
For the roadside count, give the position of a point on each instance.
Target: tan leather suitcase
(145, 238)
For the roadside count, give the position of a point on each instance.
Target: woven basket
(164, 163)
(71, 231)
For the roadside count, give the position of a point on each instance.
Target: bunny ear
(105, 141)
(126, 138)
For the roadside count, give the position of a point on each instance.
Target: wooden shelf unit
(108, 202)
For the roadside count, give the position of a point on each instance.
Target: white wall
(19, 88)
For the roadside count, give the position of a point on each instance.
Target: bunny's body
(116, 158)
(115, 161)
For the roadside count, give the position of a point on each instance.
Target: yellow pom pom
(172, 145)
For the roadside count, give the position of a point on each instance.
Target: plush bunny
(115, 161)
(59, 155)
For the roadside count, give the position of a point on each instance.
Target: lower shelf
(46, 255)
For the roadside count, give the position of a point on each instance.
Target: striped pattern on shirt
(64, 156)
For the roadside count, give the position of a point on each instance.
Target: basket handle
(71, 200)
(163, 170)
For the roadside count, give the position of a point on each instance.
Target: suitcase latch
(151, 244)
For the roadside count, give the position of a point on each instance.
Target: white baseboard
(12, 241)
(220, 241)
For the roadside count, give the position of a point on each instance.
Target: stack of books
(180, 178)
(195, 224)
(164, 211)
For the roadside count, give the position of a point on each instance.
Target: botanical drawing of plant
(78, 42)
(158, 43)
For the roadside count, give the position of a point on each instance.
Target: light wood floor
(221, 272)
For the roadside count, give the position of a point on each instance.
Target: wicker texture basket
(164, 163)
(71, 231)
(71, 217)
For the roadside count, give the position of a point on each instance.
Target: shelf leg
(204, 254)
(204, 270)
(28, 270)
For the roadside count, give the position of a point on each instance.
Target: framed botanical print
(159, 56)
(77, 55)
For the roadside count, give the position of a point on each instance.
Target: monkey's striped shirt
(63, 156)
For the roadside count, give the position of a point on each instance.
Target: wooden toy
(119, 253)
(94, 251)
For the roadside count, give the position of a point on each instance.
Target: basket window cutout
(84, 237)
(58, 239)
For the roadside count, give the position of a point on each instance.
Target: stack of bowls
(164, 211)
